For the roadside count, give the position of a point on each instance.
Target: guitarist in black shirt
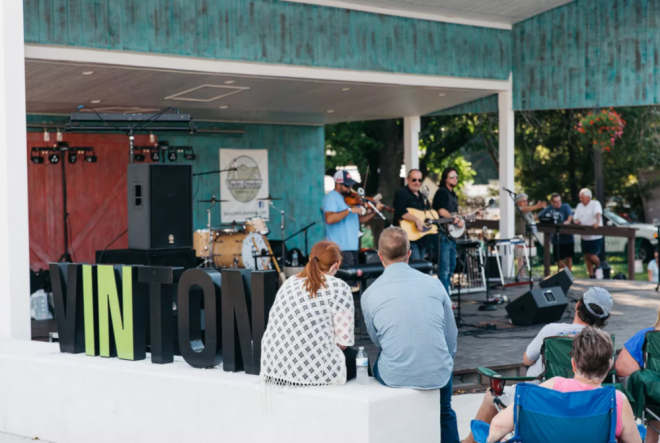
(445, 202)
(410, 197)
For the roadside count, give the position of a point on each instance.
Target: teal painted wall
(272, 31)
(479, 106)
(296, 169)
(589, 53)
(296, 157)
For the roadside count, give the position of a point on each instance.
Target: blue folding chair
(542, 415)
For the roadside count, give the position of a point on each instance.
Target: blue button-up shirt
(409, 317)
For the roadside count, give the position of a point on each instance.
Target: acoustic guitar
(431, 220)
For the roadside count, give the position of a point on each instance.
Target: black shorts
(349, 258)
(561, 252)
(592, 247)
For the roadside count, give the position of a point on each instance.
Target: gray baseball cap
(598, 296)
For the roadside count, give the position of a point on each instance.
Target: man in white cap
(342, 223)
(593, 309)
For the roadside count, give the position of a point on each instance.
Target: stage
(635, 307)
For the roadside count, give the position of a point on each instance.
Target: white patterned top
(299, 346)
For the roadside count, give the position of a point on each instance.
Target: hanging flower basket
(602, 128)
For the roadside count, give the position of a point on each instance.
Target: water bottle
(362, 365)
(294, 259)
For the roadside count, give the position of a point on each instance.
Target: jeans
(417, 253)
(447, 261)
(448, 424)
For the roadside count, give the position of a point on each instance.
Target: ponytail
(324, 254)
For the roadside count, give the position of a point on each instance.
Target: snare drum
(257, 224)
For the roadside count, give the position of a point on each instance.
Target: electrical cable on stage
(104, 249)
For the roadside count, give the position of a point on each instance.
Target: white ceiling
(484, 12)
(60, 87)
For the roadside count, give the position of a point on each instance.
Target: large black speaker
(159, 206)
(538, 306)
(563, 279)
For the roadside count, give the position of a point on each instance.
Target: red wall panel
(96, 198)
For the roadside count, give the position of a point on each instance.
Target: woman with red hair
(310, 326)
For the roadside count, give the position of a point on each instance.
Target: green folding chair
(644, 384)
(556, 355)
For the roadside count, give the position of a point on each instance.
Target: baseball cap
(600, 297)
(344, 178)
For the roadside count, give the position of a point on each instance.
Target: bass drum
(237, 250)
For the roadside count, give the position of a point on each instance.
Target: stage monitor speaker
(538, 306)
(159, 206)
(563, 279)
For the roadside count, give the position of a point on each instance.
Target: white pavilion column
(506, 159)
(14, 235)
(411, 128)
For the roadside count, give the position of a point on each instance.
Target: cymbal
(212, 200)
(231, 224)
(270, 198)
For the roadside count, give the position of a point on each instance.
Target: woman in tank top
(592, 361)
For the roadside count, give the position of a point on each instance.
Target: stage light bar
(73, 157)
(138, 157)
(172, 155)
(54, 158)
(91, 158)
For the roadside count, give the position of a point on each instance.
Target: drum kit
(235, 245)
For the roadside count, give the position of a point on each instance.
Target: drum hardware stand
(305, 229)
(208, 260)
(282, 215)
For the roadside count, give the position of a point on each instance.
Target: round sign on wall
(244, 183)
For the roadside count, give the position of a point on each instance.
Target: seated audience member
(652, 268)
(631, 359)
(409, 318)
(316, 302)
(593, 309)
(592, 360)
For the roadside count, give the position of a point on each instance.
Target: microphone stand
(282, 215)
(305, 229)
(215, 172)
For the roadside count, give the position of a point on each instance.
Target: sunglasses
(453, 176)
(419, 180)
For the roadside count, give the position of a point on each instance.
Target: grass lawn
(616, 261)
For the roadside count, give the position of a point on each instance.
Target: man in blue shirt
(563, 246)
(409, 318)
(342, 223)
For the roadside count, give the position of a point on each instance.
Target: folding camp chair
(555, 353)
(644, 385)
(542, 415)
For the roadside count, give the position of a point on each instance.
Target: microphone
(509, 191)
(425, 191)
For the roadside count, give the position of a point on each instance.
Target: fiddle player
(410, 197)
(342, 222)
(445, 202)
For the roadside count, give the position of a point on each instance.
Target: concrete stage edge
(64, 398)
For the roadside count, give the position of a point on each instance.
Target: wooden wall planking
(479, 106)
(273, 31)
(97, 192)
(589, 53)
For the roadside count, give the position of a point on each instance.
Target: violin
(357, 198)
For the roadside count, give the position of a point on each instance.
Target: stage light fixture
(138, 157)
(53, 158)
(36, 158)
(91, 158)
(189, 155)
(155, 156)
(172, 155)
(73, 157)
